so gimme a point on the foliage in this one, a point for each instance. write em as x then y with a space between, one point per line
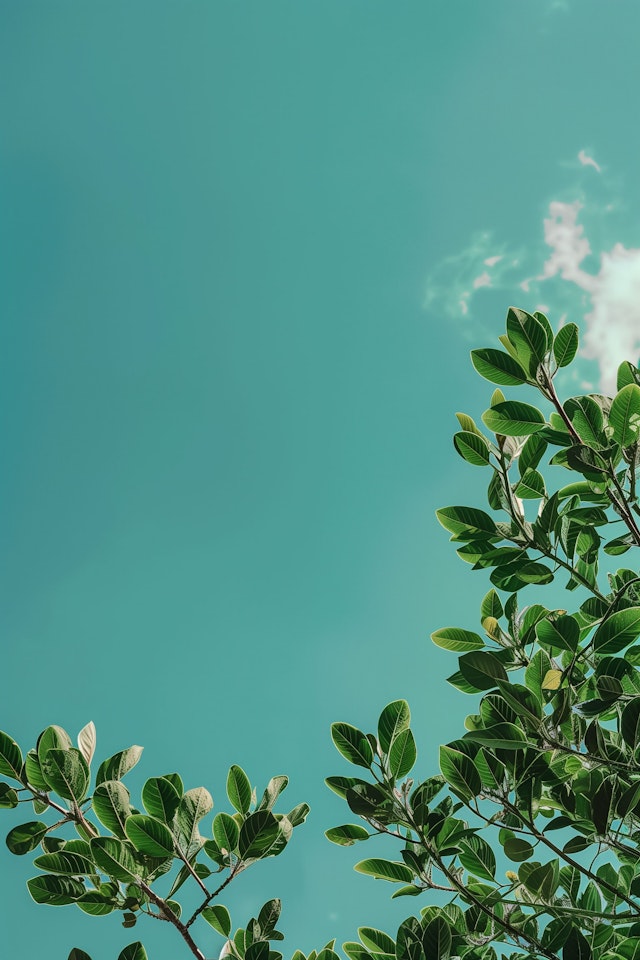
104 855
546 778
528 835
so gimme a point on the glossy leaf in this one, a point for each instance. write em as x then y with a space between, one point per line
149 836
616 633
624 416
225 832
114 858
26 837
239 789
218 917
376 940
56 891
512 418
160 798
482 669
472 448
394 719
111 806
118 765
347 834
498 367
352 744
456 639
467 523
87 741
257 834
67 773
402 754
135 951
385 870
460 773
10 757
565 344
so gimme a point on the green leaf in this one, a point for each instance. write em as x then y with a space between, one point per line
111 806
67 773
149 836
482 669
10 757
347 834
119 764
26 837
499 736
531 453
565 345
77 954
467 523
56 891
630 723
63 862
160 798
385 870
218 916
238 789
376 940
627 373
472 448
193 806
460 773
272 791
498 367
528 336
260 951
616 633
563 633
53 738
114 858
269 916
34 772
437 939
402 754
352 744
624 415
299 814
531 486
456 639
518 849
257 834
395 718
513 419
135 951
225 832
576 947
8 797
477 857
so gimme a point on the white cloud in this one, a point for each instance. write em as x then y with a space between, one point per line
613 324
491 261
588 161
484 280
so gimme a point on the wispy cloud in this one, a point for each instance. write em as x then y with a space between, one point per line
598 289
588 161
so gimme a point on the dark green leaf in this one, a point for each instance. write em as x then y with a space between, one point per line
630 723
376 940
498 367
118 765
135 951
114 858
402 754
562 632
352 744
472 448
63 862
616 633
499 736
437 939
395 718
8 797
467 523
77 954
482 669
518 849
239 789
218 916
531 486
565 345
257 834
10 757
111 805
56 891
477 857
53 738
26 837
624 416
513 419
460 772
149 836
225 832
576 947
347 834
160 798
529 338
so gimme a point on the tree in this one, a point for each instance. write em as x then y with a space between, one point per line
528 835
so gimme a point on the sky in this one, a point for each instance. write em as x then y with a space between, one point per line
246 248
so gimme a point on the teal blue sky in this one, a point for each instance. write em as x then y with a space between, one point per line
245 248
